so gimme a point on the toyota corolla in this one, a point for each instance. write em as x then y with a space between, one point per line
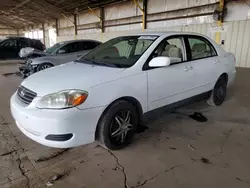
104 95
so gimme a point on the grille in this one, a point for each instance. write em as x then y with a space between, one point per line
25 95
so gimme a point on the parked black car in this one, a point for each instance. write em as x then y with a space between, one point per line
10 47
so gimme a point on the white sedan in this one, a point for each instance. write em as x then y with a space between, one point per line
104 95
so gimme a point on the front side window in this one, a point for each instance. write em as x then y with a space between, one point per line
172 48
121 51
55 48
200 48
87 45
70 48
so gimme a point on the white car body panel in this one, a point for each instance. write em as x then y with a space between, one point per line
151 88
178 88
69 71
59 58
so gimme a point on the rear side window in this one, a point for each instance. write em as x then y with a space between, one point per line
23 43
201 48
70 48
37 44
87 45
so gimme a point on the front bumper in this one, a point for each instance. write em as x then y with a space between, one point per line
26 69
38 124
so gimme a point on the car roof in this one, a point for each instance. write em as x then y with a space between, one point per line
81 40
19 38
167 33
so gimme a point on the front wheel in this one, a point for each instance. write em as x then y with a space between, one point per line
44 66
117 126
219 92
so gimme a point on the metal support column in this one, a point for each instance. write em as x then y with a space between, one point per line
143 13
220 21
102 19
57 30
44 40
75 24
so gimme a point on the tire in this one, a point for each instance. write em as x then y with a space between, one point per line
110 134
44 66
218 94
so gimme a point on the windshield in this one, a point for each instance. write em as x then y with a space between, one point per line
120 52
54 48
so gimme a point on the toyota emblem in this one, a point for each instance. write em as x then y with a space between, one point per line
22 93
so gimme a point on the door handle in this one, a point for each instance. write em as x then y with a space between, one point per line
188 68
216 61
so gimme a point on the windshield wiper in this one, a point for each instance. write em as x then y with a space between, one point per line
96 63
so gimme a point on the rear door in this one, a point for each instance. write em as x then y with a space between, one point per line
85 47
70 53
22 43
205 62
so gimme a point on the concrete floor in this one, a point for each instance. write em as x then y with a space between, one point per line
175 151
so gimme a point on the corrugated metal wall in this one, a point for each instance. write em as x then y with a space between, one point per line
237 41
235 31
4 31
236 35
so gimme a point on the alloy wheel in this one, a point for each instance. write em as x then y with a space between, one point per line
121 127
44 67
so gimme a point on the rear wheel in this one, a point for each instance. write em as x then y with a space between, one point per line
117 126
219 92
44 66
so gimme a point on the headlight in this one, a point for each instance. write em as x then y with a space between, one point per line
63 99
29 61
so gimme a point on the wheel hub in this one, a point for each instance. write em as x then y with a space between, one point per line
220 92
123 126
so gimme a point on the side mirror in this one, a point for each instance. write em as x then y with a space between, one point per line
61 52
159 62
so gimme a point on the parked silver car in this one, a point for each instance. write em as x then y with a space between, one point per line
58 54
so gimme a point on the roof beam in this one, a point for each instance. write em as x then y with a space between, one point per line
19 18
93 5
38 16
20 5
7 23
56 8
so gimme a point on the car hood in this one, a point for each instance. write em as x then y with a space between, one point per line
70 76
48 58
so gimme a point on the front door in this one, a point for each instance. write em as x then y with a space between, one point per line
69 53
170 84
